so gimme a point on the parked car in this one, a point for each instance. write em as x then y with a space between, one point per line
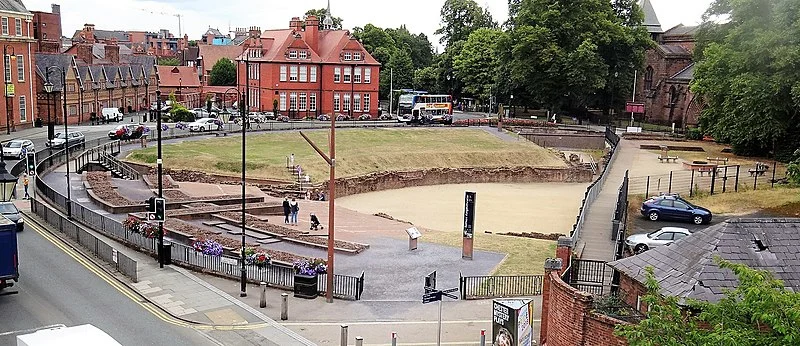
365 116
323 117
202 124
112 114
10 211
71 138
127 131
642 242
202 113
14 148
673 207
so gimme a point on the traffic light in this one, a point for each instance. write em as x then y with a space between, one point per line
161 206
30 159
151 205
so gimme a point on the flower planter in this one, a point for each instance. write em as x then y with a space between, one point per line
305 286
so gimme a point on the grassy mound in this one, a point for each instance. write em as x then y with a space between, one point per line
358 151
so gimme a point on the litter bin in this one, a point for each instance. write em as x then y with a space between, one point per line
167 255
38 122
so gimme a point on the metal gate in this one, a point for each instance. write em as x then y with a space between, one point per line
589 275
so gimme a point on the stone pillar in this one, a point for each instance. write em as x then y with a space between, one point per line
550 265
564 250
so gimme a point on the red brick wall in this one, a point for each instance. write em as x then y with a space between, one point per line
599 330
631 291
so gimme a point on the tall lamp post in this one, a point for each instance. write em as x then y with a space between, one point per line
245 122
160 164
8 181
9 86
48 87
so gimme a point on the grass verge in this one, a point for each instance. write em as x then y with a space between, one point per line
358 152
525 256
778 200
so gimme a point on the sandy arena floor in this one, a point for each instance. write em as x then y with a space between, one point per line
541 207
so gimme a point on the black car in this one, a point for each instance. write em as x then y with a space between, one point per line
674 207
10 211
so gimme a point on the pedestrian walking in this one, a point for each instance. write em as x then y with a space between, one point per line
286 210
295 208
25 183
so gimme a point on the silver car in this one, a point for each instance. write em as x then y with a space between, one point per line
643 242
17 148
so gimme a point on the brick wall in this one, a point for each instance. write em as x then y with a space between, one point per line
567 140
631 290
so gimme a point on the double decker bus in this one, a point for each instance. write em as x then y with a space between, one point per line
429 109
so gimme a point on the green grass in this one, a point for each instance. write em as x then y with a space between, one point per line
358 152
748 201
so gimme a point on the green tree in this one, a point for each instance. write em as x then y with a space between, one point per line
320 13
223 73
476 65
425 79
748 76
758 312
168 62
460 18
419 47
402 69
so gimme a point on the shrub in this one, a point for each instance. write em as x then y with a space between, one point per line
694 134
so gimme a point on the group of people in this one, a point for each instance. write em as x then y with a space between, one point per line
290 210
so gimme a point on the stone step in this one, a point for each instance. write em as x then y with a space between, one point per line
236 230
268 241
213 223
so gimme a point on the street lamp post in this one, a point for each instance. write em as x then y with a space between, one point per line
48 87
7 71
160 164
245 123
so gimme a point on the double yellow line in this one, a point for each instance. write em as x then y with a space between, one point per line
128 292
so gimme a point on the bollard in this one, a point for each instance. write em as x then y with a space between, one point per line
394 339
284 306
263 303
359 341
483 337
344 335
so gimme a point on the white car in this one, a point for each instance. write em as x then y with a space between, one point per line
202 124
643 242
202 113
110 114
14 148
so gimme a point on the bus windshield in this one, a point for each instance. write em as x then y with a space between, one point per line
407 98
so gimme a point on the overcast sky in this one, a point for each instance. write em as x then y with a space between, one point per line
199 15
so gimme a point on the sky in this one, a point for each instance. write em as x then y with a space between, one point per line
198 15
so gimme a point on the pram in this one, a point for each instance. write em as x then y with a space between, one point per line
315 225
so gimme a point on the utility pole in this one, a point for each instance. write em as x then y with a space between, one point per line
633 98
391 89
159 162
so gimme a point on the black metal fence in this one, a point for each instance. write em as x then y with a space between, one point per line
482 287
587 275
345 287
620 222
594 189
692 182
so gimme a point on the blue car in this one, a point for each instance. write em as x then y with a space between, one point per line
673 207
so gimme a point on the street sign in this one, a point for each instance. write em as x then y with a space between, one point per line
430 280
469 214
431 297
9 90
634 107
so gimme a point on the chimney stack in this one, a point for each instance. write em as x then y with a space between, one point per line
311 33
112 51
255 32
85 52
56 8
295 24
88 33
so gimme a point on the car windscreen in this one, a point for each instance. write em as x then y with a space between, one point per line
60 136
8 208
13 145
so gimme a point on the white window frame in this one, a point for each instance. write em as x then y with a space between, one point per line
23 108
7 68
283 73
301 99
303 74
303 55
4 23
337 75
282 103
346 103
348 56
347 71
357 75
292 101
292 54
356 102
313 75
357 56
293 73
366 103
367 75
72 110
18 26
20 69
336 102
312 102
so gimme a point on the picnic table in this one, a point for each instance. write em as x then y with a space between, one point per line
759 169
667 158
722 160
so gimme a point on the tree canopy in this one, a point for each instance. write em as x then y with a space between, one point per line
169 61
477 64
223 73
320 14
759 312
460 18
748 77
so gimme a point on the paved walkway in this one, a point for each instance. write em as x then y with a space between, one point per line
595 237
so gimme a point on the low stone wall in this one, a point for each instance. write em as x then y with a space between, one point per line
440 176
585 140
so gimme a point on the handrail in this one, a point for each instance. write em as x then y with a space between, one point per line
119 166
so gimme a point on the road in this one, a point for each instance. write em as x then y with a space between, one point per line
55 288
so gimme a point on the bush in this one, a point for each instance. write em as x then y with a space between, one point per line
694 134
793 170
179 113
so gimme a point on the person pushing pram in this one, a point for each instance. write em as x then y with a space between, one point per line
315 225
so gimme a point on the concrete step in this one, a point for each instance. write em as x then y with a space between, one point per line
236 230
213 223
268 241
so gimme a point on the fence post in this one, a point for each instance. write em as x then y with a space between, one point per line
691 184
483 337
647 189
263 302
462 286
284 306
736 186
774 167
394 339
713 179
669 190
725 179
755 179
343 341
359 341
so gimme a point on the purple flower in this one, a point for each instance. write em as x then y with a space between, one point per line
164 127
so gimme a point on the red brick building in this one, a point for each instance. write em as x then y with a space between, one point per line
306 71
16 37
47 30
161 43
668 70
183 82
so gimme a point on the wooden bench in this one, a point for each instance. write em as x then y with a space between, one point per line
667 158
757 172
709 170
718 160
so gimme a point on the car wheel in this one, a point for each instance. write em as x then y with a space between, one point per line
653 216
698 220
640 248
202 129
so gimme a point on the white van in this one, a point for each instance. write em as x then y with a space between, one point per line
86 334
110 114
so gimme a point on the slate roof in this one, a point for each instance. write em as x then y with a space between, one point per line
121 36
43 61
686 269
681 29
670 49
99 50
13 6
686 74
650 18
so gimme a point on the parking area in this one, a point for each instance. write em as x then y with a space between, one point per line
643 225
